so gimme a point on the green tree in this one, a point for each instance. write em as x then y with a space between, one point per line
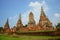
58 25
1 28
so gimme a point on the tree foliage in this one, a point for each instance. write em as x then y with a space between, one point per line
58 25
1 28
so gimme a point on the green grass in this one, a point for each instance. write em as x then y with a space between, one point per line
22 37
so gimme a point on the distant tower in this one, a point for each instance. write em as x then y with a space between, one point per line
44 21
31 22
6 27
19 22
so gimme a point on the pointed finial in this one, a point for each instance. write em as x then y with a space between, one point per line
7 20
42 11
6 26
41 8
31 13
20 16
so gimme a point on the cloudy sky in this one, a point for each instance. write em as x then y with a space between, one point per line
12 8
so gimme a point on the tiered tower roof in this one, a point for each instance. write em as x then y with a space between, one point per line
6 26
31 19
19 22
43 19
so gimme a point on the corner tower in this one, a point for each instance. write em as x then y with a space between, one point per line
19 22
6 26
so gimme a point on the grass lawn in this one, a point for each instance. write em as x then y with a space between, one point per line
21 37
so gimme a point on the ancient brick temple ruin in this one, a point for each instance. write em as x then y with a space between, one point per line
44 24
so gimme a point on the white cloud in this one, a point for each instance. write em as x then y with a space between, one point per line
37 5
57 15
25 17
35 8
12 20
12 17
57 18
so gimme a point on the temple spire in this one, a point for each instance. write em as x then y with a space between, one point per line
43 16
19 16
31 22
19 22
44 21
41 8
42 12
7 21
6 26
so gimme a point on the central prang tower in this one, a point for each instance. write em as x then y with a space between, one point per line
44 21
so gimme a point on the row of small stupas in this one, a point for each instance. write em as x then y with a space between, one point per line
44 24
